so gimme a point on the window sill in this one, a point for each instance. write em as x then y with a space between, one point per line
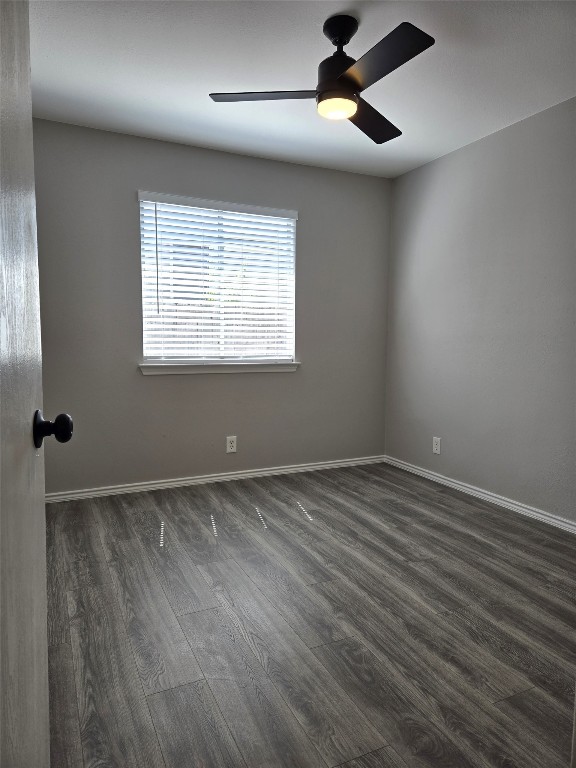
171 367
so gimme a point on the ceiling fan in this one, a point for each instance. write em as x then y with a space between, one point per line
341 79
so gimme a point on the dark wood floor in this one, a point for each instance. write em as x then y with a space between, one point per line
359 617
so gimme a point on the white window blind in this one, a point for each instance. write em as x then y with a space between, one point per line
217 280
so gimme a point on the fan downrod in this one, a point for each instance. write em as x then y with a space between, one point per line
340 29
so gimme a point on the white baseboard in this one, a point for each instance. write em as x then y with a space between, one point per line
494 498
154 485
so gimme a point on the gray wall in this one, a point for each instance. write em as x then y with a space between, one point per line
131 428
482 341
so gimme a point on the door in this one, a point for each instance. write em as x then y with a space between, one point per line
24 729
573 761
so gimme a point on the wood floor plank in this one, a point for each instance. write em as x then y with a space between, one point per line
191 729
392 706
58 631
317 537
332 523
459 541
310 566
355 566
182 582
538 713
524 618
265 730
453 703
190 518
109 513
115 725
424 637
248 499
292 519
396 508
407 582
540 666
374 511
417 506
233 535
65 746
506 533
489 579
382 758
525 609
162 653
331 720
562 588
445 502
312 619
79 546
536 548
406 497
509 526
355 509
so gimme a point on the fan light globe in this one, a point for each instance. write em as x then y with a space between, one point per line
337 106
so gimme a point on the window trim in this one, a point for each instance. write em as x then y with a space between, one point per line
150 366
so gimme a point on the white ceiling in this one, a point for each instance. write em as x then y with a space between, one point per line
146 68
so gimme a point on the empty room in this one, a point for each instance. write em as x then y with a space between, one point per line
287 384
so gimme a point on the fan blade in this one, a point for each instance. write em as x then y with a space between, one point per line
401 45
373 124
263 95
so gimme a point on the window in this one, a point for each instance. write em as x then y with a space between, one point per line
217 282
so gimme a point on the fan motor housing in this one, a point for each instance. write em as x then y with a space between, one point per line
330 70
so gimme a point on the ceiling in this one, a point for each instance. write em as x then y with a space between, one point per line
146 68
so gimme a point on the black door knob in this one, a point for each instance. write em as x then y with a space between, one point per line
61 428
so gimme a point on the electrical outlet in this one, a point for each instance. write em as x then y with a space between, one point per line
435 445
231 444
